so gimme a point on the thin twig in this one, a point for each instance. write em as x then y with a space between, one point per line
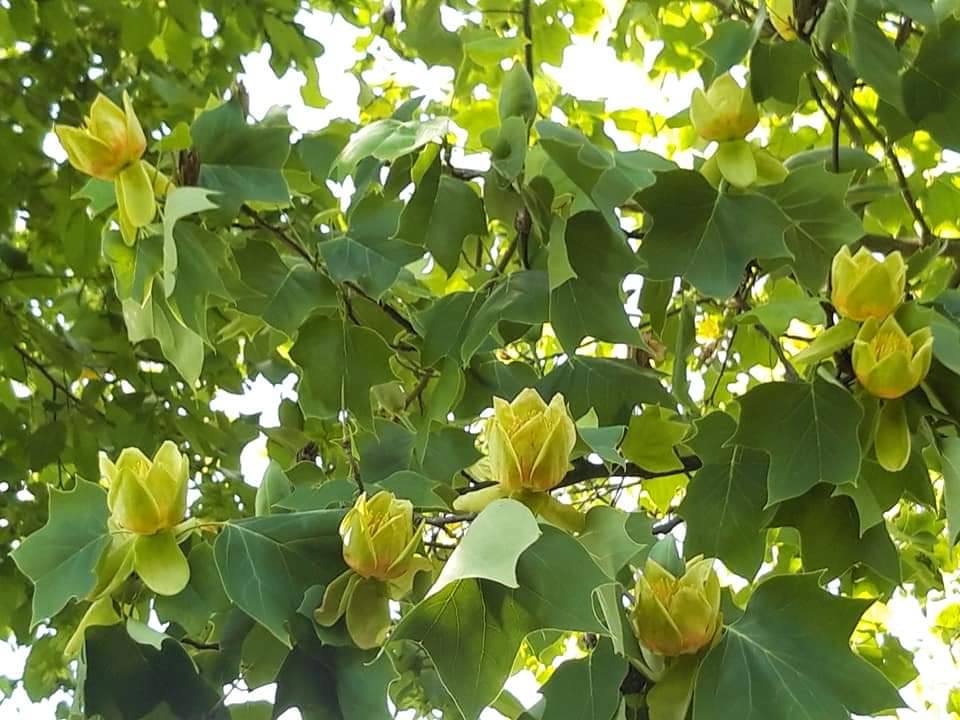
279 232
528 32
662 528
387 308
789 369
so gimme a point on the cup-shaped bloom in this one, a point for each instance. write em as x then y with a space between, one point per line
530 442
677 616
782 18
110 140
379 537
888 362
725 111
864 287
147 496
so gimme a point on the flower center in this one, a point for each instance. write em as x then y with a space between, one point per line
889 343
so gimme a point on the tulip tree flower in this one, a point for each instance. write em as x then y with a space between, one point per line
529 444
888 362
379 548
677 616
147 501
109 147
864 287
724 112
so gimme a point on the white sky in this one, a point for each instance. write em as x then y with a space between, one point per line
590 71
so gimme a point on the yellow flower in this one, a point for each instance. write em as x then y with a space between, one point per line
725 112
677 616
110 140
379 538
782 18
530 442
109 147
864 287
887 361
147 496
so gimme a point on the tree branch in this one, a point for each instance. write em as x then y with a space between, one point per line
791 371
528 32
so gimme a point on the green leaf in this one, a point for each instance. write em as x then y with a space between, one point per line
157 676
725 500
274 487
808 429
426 34
950 457
332 380
777 70
609 386
239 160
285 291
587 688
698 233
388 140
874 55
202 270
61 558
180 345
610 541
441 214
335 683
591 304
417 488
830 537
522 297
789 656
728 45
472 629
651 439
932 83
181 202
491 546
267 563
821 223
134 267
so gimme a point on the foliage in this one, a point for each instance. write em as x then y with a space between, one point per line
723 342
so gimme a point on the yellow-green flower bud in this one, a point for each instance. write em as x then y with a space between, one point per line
864 287
782 18
677 616
725 112
110 140
530 442
888 362
379 538
147 496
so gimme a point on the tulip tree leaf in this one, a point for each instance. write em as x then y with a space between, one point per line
951 484
472 629
705 236
724 503
284 292
808 429
486 551
788 656
241 161
389 139
611 387
590 303
342 683
180 203
813 199
61 558
334 377
613 537
830 537
587 688
441 214
267 563
156 319
158 674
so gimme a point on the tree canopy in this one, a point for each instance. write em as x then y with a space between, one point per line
661 409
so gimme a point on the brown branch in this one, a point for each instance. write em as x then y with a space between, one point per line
57 385
662 528
528 33
279 232
387 308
